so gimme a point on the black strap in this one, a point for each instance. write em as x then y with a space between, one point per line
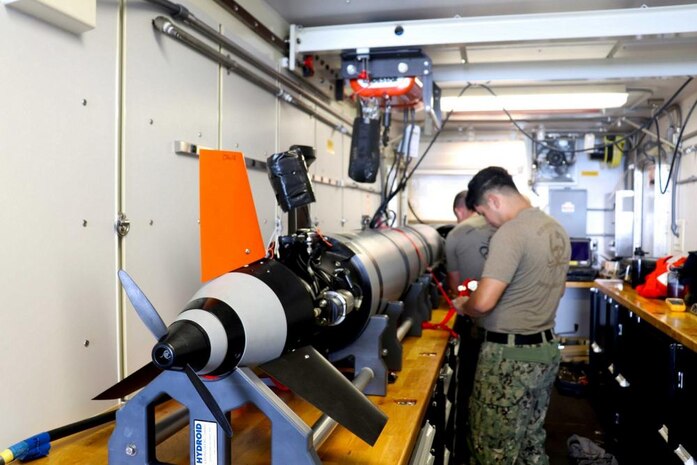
519 339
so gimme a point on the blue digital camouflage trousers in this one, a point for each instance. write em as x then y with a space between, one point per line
509 402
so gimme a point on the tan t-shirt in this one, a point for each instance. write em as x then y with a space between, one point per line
531 253
467 246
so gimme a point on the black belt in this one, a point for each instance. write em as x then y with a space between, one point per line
519 339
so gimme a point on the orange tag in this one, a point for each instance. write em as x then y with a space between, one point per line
230 234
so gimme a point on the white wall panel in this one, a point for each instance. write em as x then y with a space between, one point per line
326 212
57 242
432 196
171 93
295 128
248 118
328 149
358 203
264 202
249 125
345 148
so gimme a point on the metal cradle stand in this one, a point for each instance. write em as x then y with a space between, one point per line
379 345
417 304
133 439
391 342
367 352
292 441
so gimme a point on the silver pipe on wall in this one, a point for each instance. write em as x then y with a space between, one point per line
229 45
179 12
166 26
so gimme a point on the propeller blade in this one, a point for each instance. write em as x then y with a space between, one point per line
132 382
147 313
313 378
209 400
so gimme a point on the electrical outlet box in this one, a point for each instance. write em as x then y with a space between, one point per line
76 16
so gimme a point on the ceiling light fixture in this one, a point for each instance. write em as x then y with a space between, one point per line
537 98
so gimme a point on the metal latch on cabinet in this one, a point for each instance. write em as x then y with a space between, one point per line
596 348
684 455
622 381
123 225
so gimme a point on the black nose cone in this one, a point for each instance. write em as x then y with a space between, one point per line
185 343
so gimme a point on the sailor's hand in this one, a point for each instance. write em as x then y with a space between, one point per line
459 304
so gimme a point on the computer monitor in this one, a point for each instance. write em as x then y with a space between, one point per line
581 254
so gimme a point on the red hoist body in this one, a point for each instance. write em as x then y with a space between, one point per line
401 92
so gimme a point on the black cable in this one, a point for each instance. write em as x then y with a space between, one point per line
400 160
615 143
435 137
658 144
406 158
389 188
413 212
386 122
676 149
381 209
389 185
39 444
656 115
674 199
410 124
641 147
407 149
82 425
412 117
386 188
406 178
643 126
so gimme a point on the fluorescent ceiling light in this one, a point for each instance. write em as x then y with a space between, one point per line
537 98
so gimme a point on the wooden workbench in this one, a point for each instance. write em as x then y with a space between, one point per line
681 326
580 284
405 405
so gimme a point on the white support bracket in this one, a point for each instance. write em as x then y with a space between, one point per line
628 22
293 43
601 24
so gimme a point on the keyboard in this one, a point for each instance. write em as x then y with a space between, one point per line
581 274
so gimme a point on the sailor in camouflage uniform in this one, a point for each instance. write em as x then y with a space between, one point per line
514 305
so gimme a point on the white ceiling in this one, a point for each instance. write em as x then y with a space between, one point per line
541 61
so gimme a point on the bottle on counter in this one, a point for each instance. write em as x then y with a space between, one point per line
637 272
675 287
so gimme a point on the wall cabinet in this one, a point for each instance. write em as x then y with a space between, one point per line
643 384
436 441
